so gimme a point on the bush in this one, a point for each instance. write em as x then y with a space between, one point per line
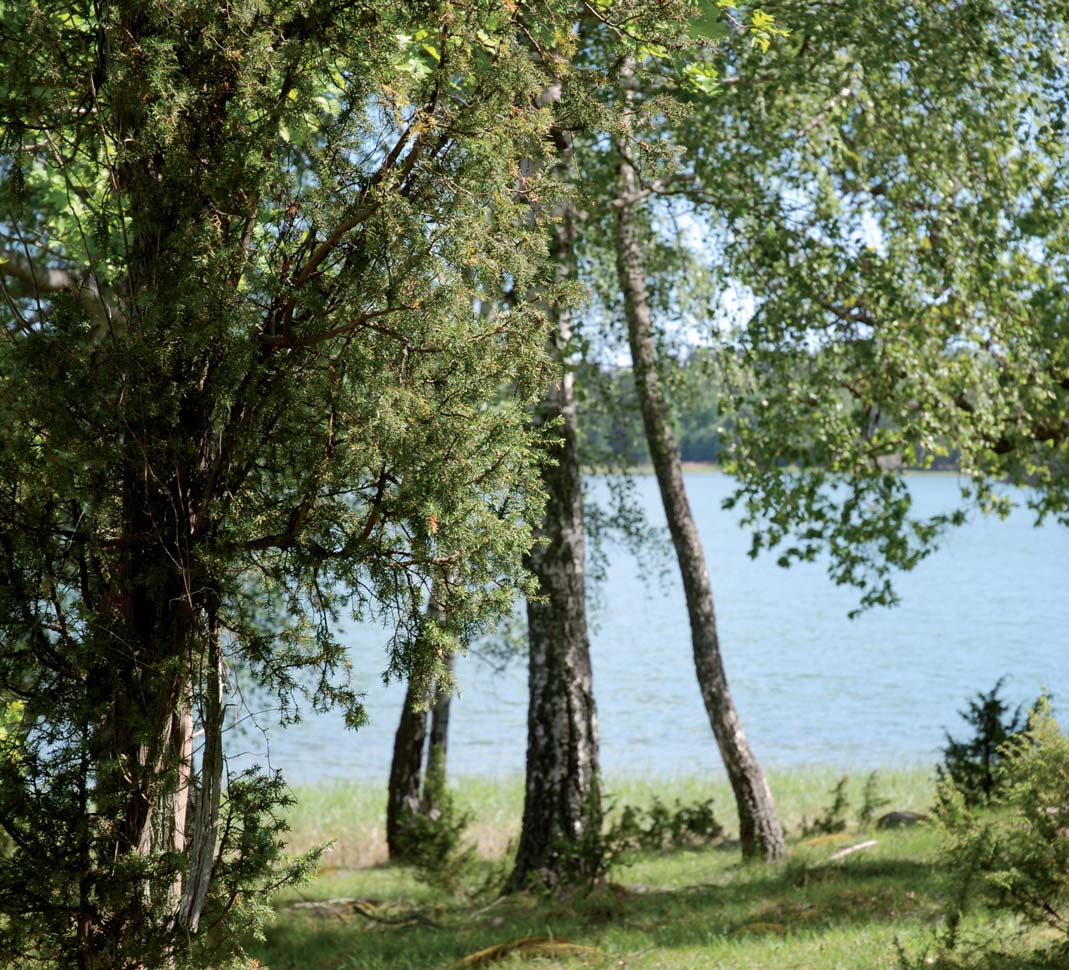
871 801
659 828
587 860
1014 858
971 765
434 842
834 818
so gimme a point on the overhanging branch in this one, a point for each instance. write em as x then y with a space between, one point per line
102 304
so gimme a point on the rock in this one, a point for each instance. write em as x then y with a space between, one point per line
899 820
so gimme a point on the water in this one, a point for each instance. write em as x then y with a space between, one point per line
812 686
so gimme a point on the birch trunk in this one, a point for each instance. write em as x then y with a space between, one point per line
760 832
562 789
406 769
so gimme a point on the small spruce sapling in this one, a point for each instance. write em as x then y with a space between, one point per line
971 764
871 801
1012 855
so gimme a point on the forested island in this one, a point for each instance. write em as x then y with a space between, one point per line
330 311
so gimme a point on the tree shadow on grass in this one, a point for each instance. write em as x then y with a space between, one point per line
743 906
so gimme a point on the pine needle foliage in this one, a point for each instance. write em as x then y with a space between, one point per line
1013 856
244 391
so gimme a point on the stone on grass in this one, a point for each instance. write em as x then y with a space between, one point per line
899 820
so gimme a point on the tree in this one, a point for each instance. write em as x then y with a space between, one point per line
760 832
971 764
890 208
243 389
562 791
417 768
403 792
562 803
861 353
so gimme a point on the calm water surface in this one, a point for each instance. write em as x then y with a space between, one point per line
812 686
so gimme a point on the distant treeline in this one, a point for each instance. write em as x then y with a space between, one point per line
611 423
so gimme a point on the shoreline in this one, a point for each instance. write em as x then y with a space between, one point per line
713 468
351 814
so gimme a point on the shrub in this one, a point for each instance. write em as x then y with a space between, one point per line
871 801
970 765
834 817
434 842
660 828
587 860
1015 858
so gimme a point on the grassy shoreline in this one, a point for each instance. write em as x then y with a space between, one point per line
682 910
350 815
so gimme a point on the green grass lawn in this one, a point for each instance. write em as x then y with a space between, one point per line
684 909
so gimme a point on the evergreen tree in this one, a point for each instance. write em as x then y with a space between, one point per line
242 390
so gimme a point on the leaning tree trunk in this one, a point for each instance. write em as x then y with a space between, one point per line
759 829
562 798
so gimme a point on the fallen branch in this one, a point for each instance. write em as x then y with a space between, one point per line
531 946
850 850
343 906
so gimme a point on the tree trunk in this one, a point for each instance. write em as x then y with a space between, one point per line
760 832
411 790
562 798
406 769
434 780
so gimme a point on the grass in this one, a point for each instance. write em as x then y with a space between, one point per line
686 909
351 815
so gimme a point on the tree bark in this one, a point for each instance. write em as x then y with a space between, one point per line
562 798
411 789
434 780
406 769
760 832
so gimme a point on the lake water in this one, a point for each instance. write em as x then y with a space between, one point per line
812 686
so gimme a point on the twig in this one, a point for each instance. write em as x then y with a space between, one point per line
829 105
486 909
850 850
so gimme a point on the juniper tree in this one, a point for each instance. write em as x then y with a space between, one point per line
243 390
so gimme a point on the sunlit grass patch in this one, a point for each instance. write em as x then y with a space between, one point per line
351 815
665 910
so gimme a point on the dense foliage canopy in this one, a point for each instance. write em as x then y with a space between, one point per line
245 388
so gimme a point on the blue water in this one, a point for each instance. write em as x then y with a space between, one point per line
812 686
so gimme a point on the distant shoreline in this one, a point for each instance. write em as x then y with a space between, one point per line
712 467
